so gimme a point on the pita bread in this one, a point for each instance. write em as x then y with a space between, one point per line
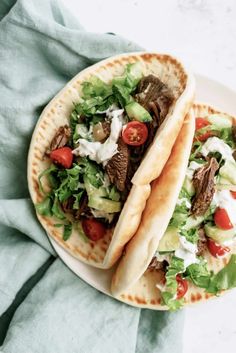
133 283
105 252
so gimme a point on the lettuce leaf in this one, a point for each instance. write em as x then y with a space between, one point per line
224 279
95 87
191 235
175 267
45 207
213 283
67 231
199 274
46 172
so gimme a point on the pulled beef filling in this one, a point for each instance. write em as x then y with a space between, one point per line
154 96
158 265
203 182
234 133
202 242
60 139
157 98
84 209
117 167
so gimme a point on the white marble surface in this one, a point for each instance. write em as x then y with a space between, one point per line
203 34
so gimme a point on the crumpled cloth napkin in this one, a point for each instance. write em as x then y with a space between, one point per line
44 307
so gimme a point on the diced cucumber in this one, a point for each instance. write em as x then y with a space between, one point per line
169 241
225 184
220 121
188 186
228 171
219 235
193 222
91 190
104 205
136 112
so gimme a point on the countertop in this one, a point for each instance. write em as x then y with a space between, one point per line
203 34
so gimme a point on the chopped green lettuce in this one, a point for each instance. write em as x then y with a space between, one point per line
199 274
191 235
46 172
67 231
45 207
175 267
224 279
57 210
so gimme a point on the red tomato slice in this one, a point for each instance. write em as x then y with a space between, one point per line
216 249
135 133
182 286
201 122
93 229
62 156
221 219
233 193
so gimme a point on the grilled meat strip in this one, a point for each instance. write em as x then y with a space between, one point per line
203 182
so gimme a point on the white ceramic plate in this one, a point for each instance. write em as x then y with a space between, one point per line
208 91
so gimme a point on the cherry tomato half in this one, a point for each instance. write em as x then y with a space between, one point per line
201 122
182 286
135 133
233 194
62 156
93 229
221 219
216 249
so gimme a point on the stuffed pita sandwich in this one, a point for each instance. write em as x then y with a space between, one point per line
185 248
98 145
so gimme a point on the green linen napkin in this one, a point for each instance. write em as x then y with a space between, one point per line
44 307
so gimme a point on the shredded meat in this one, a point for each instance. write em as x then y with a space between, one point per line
158 265
202 242
67 205
234 154
83 210
155 97
60 139
117 167
203 182
234 133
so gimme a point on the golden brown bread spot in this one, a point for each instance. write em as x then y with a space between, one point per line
34 171
130 297
159 301
152 301
198 297
192 298
140 300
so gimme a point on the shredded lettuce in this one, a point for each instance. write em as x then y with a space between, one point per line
224 279
67 231
175 267
99 95
44 208
181 211
191 235
46 172
57 210
199 274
